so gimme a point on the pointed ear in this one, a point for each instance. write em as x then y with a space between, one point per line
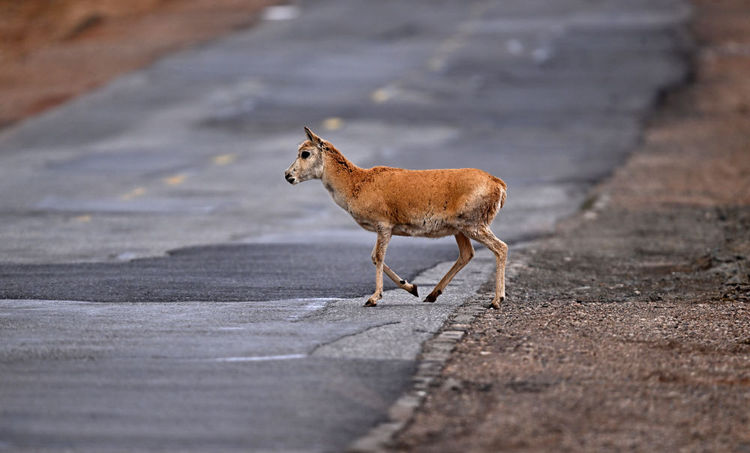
317 141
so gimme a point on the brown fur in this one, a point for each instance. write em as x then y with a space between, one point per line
431 203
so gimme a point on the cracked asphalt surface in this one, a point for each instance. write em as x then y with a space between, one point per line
163 288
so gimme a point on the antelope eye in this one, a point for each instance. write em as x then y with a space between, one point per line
305 154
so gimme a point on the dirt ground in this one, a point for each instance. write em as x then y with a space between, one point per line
630 328
51 51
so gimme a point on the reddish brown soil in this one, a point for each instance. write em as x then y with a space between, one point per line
51 51
630 328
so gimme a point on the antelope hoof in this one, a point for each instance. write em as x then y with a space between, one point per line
432 297
414 290
495 305
371 303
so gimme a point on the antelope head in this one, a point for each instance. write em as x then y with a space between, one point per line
309 161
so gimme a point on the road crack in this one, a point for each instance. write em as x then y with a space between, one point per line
353 334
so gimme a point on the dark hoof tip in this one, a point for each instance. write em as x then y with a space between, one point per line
370 303
496 305
430 298
414 290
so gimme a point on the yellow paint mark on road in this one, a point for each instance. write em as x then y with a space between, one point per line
460 38
83 218
135 193
381 95
333 123
224 159
175 180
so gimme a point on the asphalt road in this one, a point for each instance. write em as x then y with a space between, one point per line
163 287
232 272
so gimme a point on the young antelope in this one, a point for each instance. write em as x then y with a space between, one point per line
430 203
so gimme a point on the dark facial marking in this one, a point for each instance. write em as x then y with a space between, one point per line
305 154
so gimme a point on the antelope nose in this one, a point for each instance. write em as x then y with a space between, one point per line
289 178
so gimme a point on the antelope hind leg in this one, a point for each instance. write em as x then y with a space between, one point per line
500 249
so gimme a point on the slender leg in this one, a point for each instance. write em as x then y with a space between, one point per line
378 257
465 254
403 284
500 249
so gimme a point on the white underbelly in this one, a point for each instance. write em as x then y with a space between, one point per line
431 229
424 231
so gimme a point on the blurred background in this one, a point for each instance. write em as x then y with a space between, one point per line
160 153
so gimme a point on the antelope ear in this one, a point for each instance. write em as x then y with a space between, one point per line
313 138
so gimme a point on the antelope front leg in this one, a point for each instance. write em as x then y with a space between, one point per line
378 258
403 284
